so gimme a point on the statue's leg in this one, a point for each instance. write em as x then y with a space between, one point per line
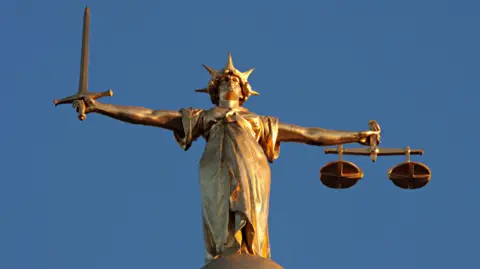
242 228
249 238
233 243
238 232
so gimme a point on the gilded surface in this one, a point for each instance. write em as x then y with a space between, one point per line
234 169
234 177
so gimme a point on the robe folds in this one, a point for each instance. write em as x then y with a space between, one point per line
234 177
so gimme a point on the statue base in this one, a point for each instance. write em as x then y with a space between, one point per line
242 262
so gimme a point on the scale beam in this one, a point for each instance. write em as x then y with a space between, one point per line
367 152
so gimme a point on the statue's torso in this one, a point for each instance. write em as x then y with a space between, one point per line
232 137
217 117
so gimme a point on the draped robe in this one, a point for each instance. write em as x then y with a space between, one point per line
234 177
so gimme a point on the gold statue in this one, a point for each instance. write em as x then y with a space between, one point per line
234 169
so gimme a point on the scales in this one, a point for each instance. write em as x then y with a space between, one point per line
342 174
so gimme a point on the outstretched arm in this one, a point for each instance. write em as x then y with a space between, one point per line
319 136
167 119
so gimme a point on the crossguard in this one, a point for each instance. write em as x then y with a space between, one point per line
80 96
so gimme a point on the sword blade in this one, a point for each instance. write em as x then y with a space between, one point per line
83 81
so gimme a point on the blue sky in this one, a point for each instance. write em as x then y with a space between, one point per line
105 194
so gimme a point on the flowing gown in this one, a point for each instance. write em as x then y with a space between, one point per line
234 177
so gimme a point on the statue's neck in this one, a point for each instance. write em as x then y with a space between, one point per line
228 104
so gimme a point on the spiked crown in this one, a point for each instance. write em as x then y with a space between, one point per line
229 69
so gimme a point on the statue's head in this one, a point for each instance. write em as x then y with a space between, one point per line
228 84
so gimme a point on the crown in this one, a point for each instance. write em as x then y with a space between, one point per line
229 69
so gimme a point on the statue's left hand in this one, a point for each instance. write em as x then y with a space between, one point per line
365 137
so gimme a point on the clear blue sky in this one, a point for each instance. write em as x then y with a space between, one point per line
105 194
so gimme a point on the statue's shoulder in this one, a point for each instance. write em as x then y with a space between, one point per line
192 109
191 112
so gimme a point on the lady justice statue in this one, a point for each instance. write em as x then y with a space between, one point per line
234 169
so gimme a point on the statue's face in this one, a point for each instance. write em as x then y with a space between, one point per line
229 88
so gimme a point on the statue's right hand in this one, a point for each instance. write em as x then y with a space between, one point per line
90 104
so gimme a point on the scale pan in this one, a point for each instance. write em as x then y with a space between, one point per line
340 174
410 175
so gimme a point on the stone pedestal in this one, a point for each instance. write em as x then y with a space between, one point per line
242 262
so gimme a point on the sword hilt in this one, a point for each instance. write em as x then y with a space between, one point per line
81 110
80 97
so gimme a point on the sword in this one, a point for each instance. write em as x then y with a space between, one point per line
83 80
